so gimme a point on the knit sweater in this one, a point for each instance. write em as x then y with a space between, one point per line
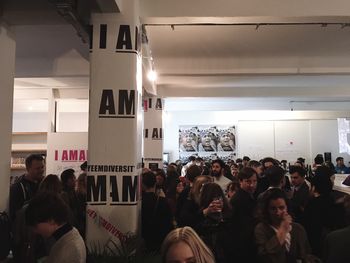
69 248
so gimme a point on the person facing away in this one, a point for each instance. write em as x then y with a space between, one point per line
336 247
27 185
47 214
156 216
321 215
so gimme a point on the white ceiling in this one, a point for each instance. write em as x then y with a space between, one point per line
286 62
246 58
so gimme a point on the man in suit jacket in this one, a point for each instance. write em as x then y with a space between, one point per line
300 192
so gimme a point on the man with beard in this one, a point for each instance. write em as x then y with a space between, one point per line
217 172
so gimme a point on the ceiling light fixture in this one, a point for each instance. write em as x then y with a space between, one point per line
152 75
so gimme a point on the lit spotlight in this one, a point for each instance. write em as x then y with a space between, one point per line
152 75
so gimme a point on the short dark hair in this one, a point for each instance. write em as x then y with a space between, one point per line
246 173
339 158
46 206
268 159
322 183
191 158
297 169
219 161
319 159
275 175
66 175
324 171
192 172
33 157
246 158
301 159
254 164
149 179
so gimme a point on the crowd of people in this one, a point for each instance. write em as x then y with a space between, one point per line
48 215
245 211
241 211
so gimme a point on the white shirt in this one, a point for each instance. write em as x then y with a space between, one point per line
222 181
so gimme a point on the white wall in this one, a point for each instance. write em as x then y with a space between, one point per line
283 135
7 69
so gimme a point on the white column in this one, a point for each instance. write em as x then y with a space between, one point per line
7 73
115 126
153 132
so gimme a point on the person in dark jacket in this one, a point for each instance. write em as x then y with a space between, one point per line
157 220
300 191
243 205
26 187
336 247
278 239
321 214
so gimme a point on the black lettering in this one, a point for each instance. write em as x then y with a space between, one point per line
129 189
126 103
150 103
96 190
146 133
161 132
103 35
107 102
155 133
159 105
124 37
114 189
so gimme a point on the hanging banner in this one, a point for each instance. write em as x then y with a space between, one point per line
115 126
66 150
153 133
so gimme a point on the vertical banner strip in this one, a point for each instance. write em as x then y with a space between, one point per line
115 127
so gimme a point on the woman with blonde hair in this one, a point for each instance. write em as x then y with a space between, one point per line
184 245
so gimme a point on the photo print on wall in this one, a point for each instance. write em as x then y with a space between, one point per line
207 141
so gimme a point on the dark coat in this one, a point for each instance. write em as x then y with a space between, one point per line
157 220
271 251
242 223
337 246
299 200
320 217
